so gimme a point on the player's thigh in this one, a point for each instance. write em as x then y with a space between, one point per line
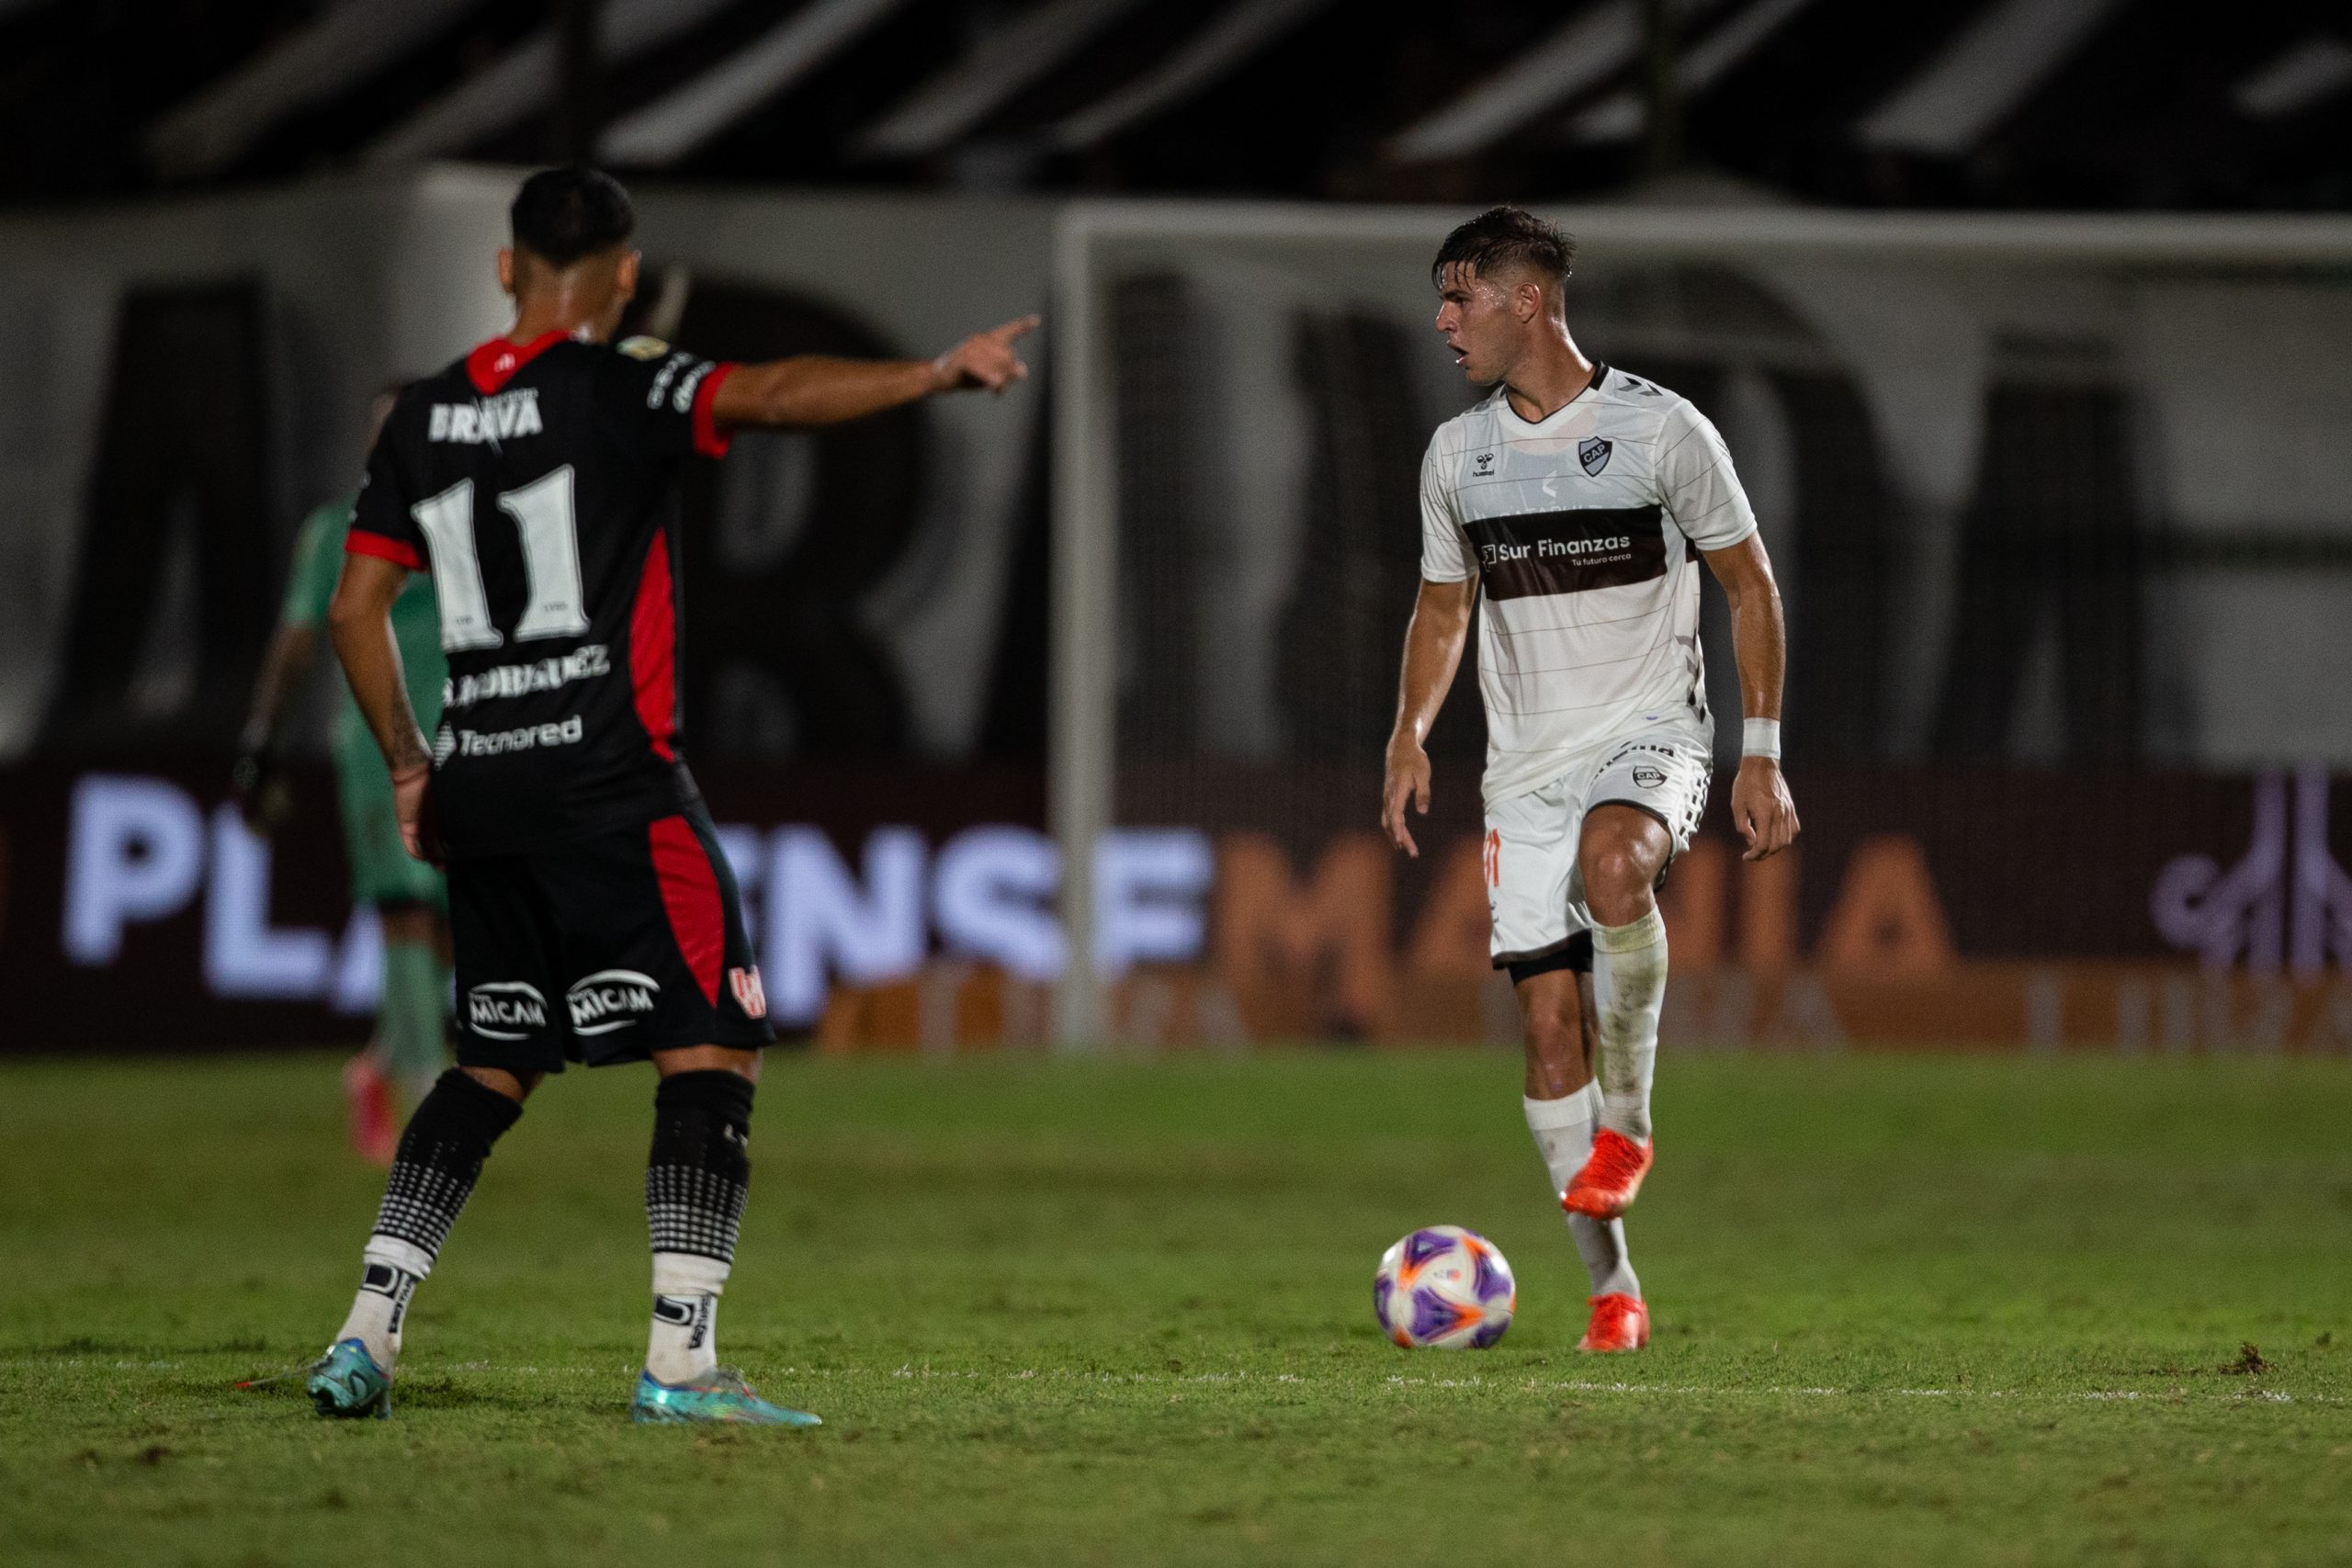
505 948
1531 857
742 1062
1641 810
656 956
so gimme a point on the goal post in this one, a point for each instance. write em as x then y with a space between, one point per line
1242 391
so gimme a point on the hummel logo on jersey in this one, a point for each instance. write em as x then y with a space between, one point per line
610 999
486 419
1593 453
1486 464
516 680
505 1009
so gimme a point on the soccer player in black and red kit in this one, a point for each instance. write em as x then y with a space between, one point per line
593 917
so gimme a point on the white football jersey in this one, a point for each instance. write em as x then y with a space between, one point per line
1584 532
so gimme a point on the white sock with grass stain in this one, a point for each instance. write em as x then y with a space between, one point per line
1628 984
1563 1133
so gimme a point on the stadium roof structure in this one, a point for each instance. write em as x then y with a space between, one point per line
2090 104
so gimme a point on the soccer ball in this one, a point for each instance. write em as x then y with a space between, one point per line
1446 1287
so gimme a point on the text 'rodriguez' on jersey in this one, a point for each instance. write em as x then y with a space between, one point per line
538 482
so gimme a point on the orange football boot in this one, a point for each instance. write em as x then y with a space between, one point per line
1605 1187
1619 1322
375 1129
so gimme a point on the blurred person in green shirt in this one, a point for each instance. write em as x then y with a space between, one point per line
409 1049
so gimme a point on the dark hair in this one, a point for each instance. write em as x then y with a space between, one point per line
561 215
1502 237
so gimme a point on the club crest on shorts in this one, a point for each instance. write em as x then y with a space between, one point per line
749 994
1593 453
1648 778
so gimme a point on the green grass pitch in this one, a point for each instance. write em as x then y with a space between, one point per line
1908 1310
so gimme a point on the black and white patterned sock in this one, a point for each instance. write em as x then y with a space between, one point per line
441 1154
695 1182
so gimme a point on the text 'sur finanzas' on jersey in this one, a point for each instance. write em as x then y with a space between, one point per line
538 482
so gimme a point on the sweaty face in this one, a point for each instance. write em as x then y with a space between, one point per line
1480 326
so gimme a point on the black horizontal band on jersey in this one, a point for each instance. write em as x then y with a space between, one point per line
1574 954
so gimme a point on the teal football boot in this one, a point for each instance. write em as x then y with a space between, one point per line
720 1394
347 1384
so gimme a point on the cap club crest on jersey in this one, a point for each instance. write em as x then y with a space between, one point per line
1593 453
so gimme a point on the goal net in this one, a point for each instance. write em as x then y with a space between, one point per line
2023 480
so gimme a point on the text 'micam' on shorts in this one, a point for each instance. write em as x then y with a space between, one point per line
607 947
1534 885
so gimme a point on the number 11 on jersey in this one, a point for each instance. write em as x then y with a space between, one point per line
544 519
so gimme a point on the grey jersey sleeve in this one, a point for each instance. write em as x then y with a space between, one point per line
1698 484
1445 550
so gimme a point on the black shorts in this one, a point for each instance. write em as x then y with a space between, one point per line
603 948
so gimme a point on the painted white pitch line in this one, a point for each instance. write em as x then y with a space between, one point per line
1397 1379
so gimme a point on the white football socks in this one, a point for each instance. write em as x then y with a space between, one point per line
685 1342
1628 983
391 1269
1563 1130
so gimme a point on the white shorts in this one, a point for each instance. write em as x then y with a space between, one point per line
1534 885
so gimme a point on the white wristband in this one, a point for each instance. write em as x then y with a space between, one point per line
1760 738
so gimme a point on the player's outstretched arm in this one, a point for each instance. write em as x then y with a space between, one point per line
811 390
1761 808
1433 642
360 621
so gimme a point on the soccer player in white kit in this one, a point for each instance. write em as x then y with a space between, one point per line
1578 499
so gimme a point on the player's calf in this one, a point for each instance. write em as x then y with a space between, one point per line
697 1178
440 1157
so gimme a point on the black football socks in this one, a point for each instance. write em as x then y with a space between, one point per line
695 1182
441 1154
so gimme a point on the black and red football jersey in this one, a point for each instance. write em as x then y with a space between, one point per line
538 483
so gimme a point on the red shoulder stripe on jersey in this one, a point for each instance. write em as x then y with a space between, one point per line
690 896
491 365
709 440
653 647
399 552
